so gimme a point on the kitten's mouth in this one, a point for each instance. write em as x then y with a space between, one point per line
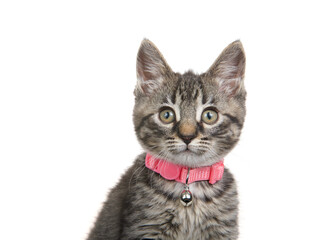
185 151
188 151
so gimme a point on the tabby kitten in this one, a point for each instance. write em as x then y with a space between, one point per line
186 120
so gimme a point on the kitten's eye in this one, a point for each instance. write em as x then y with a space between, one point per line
167 115
209 116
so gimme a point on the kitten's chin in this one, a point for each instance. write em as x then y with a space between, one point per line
191 159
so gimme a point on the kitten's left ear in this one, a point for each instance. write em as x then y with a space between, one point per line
229 68
151 68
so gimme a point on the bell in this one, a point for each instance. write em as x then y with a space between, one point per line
186 198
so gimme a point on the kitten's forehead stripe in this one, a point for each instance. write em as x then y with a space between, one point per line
189 88
173 96
204 95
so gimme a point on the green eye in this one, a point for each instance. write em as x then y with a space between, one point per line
209 116
167 115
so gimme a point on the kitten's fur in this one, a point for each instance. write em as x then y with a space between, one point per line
144 205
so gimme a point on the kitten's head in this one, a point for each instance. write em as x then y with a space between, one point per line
189 119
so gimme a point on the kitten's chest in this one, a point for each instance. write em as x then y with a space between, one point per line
184 222
172 220
192 221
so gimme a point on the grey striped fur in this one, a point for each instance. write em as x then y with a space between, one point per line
143 205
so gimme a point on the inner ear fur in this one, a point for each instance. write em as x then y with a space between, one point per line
151 68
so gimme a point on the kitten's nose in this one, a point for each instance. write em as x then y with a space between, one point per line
187 139
187 132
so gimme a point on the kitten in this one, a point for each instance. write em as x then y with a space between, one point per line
186 122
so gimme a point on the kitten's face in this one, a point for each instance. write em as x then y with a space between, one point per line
192 120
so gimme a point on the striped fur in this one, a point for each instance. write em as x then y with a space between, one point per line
143 205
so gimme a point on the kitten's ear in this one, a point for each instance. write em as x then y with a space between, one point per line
229 68
151 68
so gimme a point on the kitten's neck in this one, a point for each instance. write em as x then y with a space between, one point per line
179 173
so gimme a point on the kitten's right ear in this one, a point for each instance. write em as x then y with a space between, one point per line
151 68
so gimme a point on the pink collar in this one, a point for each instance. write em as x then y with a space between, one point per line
179 173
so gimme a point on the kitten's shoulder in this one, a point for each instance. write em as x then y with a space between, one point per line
108 225
125 179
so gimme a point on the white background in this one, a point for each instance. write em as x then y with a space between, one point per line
67 73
